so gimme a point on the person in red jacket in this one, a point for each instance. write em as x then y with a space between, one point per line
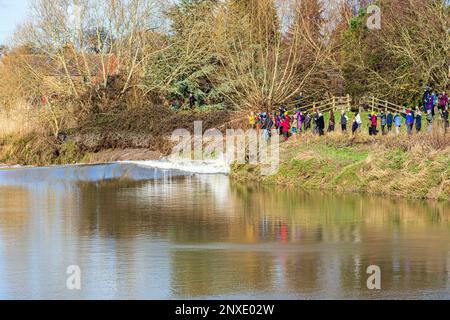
286 124
374 122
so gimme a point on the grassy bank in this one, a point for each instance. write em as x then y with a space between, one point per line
32 149
417 167
136 134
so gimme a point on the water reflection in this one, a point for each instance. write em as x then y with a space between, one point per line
200 236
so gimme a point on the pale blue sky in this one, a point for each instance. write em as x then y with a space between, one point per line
12 12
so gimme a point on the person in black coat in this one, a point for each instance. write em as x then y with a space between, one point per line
445 119
321 124
192 100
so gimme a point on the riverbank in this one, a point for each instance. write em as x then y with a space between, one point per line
412 167
35 152
137 134
417 167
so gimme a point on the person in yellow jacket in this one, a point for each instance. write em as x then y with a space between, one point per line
252 120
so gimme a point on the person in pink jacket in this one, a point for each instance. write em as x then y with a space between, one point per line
286 124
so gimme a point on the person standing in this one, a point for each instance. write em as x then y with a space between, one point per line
389 121
426 96
344 121
430 121
383 122
418 120
282 111
443 101
445 119
276 120
258 121
398 123
356 123
299 122
316 122
192 100
433 101
286 125
267 127
307 121
321 124
358 119
332 122
252 120
409 121
374 124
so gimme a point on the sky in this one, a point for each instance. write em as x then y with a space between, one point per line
12 12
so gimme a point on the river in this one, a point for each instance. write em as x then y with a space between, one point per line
138 232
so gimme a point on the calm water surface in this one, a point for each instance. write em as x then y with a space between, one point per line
137 232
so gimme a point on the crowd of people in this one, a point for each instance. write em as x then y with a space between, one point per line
385 122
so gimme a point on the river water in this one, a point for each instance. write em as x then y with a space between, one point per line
137 232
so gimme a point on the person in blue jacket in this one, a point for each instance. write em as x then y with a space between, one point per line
433 102
418 120
408 115
390 121
398 123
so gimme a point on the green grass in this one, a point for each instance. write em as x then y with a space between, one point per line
362 167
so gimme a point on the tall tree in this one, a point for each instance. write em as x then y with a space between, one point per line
189 64
409 52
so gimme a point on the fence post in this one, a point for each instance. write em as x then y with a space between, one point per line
373 103
334 103
386 107
349 106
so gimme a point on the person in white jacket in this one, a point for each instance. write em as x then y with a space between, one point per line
356 123
358 120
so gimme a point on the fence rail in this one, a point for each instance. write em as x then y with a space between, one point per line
342 103
379 104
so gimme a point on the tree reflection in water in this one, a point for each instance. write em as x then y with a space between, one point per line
202 236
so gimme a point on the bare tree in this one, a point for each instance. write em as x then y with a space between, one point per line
271 66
